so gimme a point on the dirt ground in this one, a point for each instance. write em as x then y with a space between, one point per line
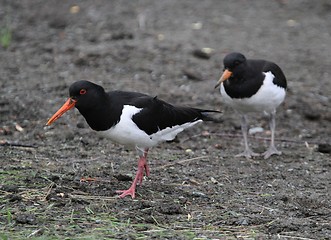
172 49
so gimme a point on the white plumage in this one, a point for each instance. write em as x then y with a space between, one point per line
267 98
127 132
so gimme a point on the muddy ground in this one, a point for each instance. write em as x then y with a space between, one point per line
197 188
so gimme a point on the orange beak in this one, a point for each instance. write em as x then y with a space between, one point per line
69 104
226 74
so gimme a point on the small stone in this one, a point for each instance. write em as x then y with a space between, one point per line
189 151
74 9
58 23
9 188
292 23
324 148
193 75
26 219
243 222
199 53
199 194
197 25
14 198
218 146
254 130
121 177
80 125
122 35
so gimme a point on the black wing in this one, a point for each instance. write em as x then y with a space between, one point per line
157 114
280 79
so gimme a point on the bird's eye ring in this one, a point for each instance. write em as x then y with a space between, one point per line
82 91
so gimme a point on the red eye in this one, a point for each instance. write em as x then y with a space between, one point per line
82 91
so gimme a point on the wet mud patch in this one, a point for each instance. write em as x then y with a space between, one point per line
61 181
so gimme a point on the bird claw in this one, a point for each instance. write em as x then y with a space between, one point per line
248 154
131 191
142 167
271 151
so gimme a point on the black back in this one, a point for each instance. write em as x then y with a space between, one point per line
248 75
103 110
157 115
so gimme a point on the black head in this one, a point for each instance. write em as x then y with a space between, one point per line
233 60
235 63
234 67
86 94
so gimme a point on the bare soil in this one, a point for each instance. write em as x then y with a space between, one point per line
173 50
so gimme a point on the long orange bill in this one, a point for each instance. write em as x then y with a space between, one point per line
226 74
69 104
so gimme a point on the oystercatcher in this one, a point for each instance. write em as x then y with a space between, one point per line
249 85
130 118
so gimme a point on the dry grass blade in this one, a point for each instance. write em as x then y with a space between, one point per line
95 198
180 162
48 191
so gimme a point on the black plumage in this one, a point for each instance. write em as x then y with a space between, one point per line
253 85
130 118
103 110
248 75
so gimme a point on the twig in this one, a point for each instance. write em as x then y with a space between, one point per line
34 232
264 207
48 191
230 135
293 237
75 160
76 196
180 162
72 215
157 223
11 144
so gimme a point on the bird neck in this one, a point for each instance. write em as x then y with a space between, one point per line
102 116
243 84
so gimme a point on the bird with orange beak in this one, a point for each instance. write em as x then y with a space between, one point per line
130 118
253 85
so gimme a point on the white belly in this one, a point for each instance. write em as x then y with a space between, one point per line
267 98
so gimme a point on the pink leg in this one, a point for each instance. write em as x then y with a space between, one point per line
142 165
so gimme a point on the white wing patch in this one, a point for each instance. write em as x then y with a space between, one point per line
170 133
126 132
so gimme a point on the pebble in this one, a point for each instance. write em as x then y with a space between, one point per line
255 130
324 148
26 219
199 194
199 53
192 75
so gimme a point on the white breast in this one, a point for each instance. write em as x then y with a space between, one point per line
267 98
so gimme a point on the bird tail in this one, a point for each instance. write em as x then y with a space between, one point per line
207 118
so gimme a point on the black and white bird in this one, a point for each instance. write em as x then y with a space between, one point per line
130 118
252 85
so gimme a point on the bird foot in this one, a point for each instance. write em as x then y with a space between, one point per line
142 167
131 191
271 151
248 153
